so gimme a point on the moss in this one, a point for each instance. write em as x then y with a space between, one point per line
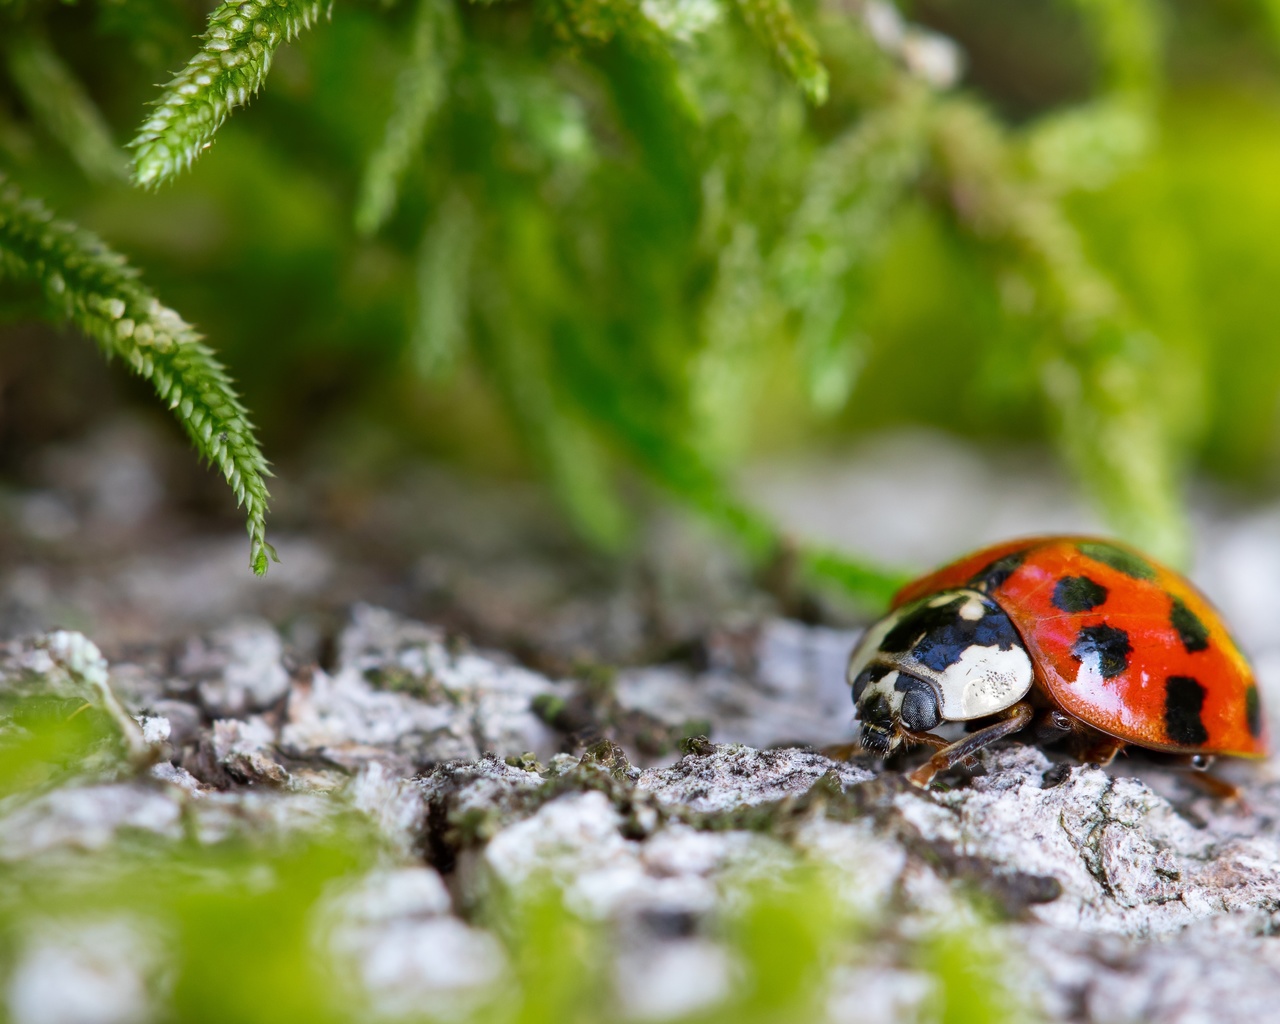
551 709
527 761
395 679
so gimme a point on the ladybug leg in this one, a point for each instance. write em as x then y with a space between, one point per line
1016 718
848 751
1197 766
927 738
1102 751
842 751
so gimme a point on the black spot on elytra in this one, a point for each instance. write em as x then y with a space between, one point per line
1193 633
1118 558
919 704
1110 645
1253 711
870 674
994 575
1078 594
938 636
1183 701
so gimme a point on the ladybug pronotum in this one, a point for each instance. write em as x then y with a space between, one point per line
1087 640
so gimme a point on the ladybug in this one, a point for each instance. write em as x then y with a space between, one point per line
1087 639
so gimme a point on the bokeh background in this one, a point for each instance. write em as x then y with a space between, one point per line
622 251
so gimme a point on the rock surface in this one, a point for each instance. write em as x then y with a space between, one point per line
1123 898
654 793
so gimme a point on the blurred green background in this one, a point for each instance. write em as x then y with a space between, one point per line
618 244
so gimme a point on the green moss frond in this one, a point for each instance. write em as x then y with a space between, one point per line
444 263
85 282
231 65
60 104
852 191
870 585
775 24
970 975
739 318
596 21
1091 144
1100 371
420 89
522 340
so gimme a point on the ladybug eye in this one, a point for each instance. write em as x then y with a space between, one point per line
1201 762
919 705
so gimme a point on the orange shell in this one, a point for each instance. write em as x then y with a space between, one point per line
1120 642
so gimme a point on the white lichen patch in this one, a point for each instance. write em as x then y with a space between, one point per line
575 841
240 668
797 692
87 818
881 992
394 804
863 867
737 776
398 689
260 812
245 748
1126 861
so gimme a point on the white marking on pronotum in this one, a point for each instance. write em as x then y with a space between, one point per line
982 681
985 680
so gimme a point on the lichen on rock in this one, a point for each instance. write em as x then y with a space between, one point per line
1121 893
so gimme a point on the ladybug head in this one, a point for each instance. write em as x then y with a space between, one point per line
948 657
887 700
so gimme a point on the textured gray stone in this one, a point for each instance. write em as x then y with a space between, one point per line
399 692
1121 895
794 692
87 818
239 668
733 776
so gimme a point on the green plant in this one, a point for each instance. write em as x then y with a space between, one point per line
646 226
85 282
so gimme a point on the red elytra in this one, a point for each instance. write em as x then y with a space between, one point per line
1174 680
